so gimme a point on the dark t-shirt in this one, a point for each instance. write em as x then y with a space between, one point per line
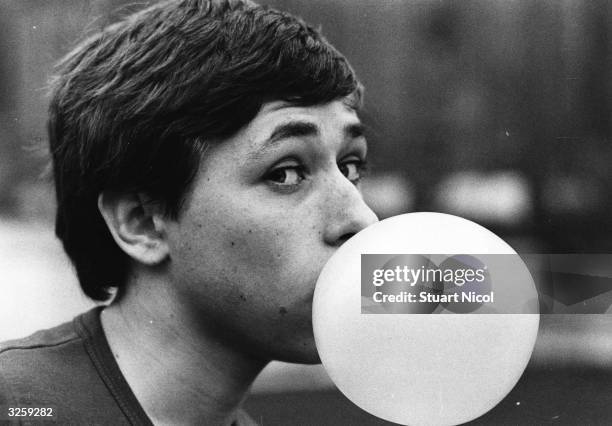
71 369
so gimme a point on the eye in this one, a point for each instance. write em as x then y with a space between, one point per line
353 170
286 176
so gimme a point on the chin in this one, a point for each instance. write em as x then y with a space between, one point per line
311 357
300 352
302 358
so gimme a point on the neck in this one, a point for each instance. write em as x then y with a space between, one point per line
178 368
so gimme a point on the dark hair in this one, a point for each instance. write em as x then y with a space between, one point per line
134 107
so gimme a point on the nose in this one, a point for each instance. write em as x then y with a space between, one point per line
347 212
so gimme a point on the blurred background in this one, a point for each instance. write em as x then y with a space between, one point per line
497 111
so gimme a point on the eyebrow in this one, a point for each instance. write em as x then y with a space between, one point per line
292 129
298 128
354 130
295 129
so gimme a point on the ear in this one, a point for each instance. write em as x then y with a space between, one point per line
137 226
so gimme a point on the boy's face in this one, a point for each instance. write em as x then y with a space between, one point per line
269 207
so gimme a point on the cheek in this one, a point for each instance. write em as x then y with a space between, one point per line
273 249
253 253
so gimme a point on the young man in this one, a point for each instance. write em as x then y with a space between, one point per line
207 157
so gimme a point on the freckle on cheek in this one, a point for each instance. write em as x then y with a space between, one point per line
233 244
242 297
282 310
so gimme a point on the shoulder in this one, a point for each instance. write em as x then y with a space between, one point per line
38 342
36 351
30 364
53 368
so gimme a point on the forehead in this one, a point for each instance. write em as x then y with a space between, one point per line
330 117
350 103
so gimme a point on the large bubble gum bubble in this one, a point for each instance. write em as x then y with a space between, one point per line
419 369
